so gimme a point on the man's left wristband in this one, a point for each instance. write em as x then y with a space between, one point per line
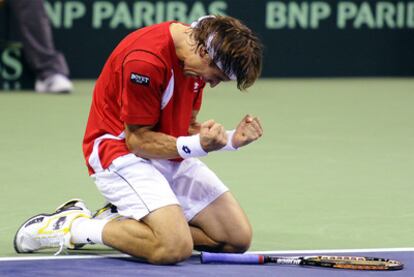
190 146
229 146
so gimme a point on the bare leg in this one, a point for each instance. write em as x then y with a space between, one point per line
222 227
165 237
162 237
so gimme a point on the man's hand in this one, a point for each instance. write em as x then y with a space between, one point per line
212 136
248 130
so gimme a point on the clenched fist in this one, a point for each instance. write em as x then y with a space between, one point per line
212 136
248 130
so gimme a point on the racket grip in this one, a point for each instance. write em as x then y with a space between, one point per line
225 258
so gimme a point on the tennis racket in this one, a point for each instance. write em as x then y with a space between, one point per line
343 262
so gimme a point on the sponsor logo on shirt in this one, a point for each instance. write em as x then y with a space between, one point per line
197 87
140 79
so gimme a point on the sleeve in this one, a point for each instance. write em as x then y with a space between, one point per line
141 94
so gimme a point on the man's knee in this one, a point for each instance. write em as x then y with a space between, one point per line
171 242
171 251
240 241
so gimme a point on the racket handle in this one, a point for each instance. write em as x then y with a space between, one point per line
207 257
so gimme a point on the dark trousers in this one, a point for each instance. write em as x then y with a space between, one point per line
37 39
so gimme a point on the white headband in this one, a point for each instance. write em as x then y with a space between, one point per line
211 51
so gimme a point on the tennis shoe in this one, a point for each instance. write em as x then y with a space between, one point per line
50 230
55 84
108 212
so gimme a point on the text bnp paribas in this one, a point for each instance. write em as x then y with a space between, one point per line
340 14
277 15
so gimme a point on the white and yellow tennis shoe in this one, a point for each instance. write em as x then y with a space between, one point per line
108 212
50 230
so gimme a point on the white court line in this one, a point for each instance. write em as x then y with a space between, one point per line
67 257
283 252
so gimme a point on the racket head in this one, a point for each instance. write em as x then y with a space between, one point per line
353 262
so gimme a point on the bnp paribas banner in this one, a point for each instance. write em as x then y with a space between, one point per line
301 38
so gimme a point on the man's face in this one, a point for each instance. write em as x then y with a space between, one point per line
200 65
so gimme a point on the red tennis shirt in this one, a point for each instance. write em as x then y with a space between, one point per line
142 83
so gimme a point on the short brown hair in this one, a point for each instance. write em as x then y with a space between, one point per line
235 45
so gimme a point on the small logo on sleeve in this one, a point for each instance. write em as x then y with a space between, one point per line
196 87
140 79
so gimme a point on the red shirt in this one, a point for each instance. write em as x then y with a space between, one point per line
142 83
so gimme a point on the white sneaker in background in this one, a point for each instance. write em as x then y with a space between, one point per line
56 83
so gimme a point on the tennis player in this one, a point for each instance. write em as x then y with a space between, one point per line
142 144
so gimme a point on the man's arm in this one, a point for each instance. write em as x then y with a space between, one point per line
146 143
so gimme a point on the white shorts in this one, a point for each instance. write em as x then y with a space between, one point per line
139 186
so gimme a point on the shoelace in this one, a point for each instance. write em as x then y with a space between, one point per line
62 249
55 241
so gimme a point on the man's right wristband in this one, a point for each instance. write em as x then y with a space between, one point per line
190 146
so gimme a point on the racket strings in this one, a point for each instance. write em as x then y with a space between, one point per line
359 263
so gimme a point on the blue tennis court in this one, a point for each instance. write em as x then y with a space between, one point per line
122 265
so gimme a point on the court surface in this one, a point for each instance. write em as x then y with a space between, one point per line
122 265
334 169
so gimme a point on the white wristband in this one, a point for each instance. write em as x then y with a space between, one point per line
190 146
229 146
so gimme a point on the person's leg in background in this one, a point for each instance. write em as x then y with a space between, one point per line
48 64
